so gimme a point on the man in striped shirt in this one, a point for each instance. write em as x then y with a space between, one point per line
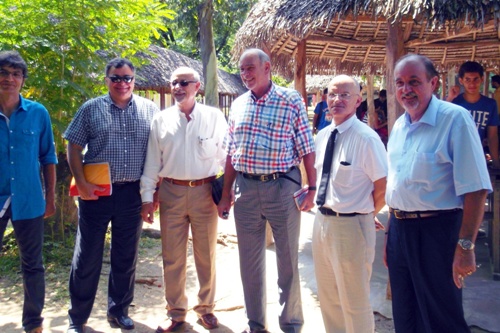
268 136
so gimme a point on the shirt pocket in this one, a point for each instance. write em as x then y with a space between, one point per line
344 175
206 148
422 166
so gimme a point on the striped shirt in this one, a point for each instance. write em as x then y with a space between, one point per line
114 135
269 134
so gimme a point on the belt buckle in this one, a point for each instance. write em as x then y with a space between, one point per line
398 214
192 183
263 178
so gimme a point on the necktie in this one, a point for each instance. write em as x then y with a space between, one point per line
327 165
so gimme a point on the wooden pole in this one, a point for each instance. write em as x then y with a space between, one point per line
394 50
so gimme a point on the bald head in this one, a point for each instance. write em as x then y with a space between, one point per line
343 98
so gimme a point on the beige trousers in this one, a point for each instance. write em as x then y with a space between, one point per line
343 252
182 207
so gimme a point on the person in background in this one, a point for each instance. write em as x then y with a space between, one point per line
436 189
268 136
185 154
26 145
352 162
495 83
483 109
321 118
113 128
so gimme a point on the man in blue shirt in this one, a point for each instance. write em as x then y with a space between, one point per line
436 189
26 143
483 109
320 119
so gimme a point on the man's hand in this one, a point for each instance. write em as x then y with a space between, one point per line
454 92
50 208
464 264
224 205
147 212
308 202
378 225
87 191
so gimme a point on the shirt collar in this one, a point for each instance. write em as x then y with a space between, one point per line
266 95
345 125
110 101
193 113
429 116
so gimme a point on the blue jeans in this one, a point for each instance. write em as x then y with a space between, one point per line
29 237
123 209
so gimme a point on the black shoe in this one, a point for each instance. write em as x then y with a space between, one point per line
122 321
76 329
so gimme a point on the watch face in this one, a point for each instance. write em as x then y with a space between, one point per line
466 244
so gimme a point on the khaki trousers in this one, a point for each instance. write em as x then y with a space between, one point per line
343 252
182 207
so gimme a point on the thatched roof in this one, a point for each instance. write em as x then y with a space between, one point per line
163 62
350 36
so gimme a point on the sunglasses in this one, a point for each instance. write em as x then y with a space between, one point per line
183 83
118 79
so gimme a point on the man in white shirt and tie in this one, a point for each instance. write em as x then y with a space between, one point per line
184 154
352 168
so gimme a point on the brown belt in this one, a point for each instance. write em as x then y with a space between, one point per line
402 215
190 183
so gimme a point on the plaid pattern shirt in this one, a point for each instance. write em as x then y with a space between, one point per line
269 134
114 135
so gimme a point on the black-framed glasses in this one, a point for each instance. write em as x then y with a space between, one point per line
16 75
118 78
183 83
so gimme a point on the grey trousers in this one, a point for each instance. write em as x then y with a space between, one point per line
257 202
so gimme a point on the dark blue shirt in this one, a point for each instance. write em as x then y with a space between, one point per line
26 143
484 112
321 110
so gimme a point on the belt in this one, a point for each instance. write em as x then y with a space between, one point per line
328 211
125 183
402 215
266 177
190 183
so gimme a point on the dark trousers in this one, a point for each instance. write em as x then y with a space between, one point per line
29 237
420 257
123 209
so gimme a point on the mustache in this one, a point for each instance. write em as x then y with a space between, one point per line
409 95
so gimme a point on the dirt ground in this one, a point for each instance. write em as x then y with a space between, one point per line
148 308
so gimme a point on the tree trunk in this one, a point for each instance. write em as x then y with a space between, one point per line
66 210
208 56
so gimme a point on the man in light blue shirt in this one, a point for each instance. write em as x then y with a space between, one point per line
26 143
436 189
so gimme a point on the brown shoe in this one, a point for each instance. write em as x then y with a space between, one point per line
170 326
36 330
209 321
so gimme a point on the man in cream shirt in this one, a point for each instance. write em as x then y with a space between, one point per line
352 169
184 154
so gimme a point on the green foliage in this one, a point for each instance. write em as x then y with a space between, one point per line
67 43
183 32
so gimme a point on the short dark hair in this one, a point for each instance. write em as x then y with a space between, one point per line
470 67
495 78
382 93
325 91
428 64
119 63
14 60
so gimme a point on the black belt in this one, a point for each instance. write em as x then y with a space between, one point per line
402 215
125 183
328 211
267 177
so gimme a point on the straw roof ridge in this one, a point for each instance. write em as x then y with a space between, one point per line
162 62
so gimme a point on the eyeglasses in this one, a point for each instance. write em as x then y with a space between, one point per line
341 96
16 75
183 83
118 79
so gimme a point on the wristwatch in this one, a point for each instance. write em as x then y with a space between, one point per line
466 244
